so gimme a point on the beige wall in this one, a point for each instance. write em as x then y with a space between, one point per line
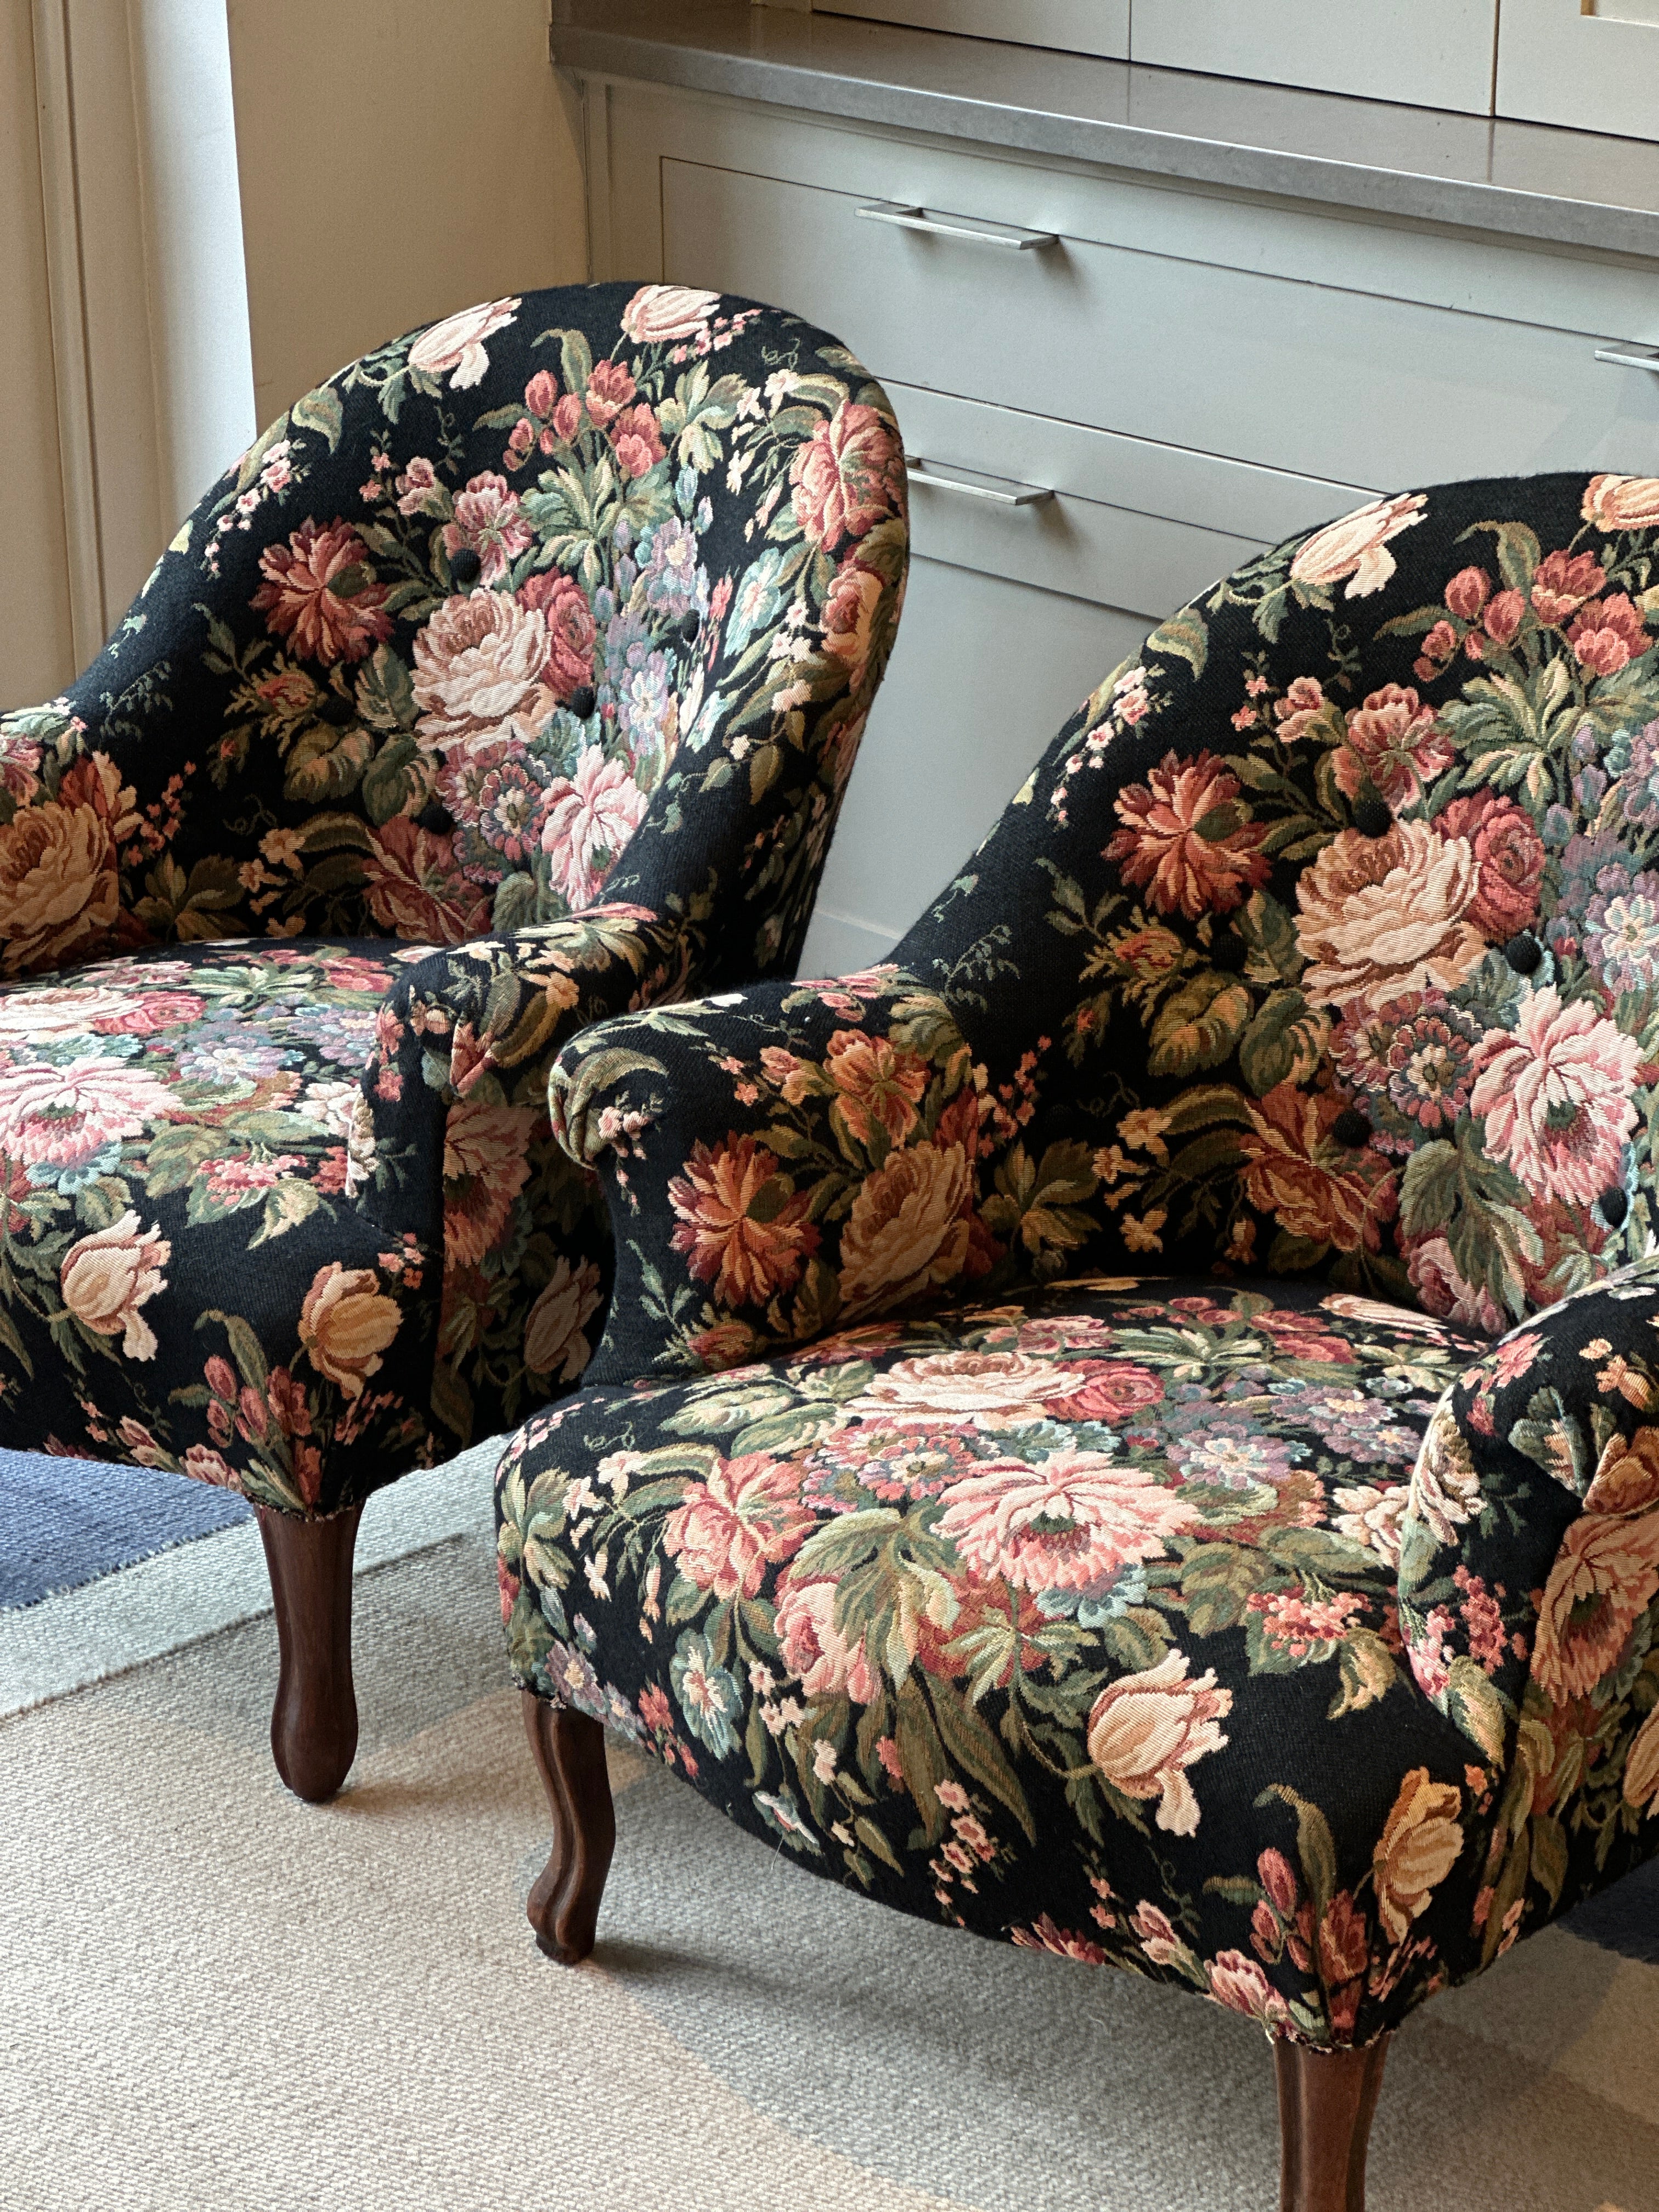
399 159
37 655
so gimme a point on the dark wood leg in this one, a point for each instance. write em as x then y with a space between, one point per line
564 1904
1326 2101
313 1723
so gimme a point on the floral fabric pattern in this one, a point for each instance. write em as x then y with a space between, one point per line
1267 1626
541 641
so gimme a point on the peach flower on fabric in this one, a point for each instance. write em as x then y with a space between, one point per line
1298 1174
848 476
1241 1983
1394 742
486 1166
909 1228
744 1517
488 522
992 1389
1420 1844
481 670
638 439
824 1660
878 1084
610 389
346 1323
203 1464
1065 1522
1605 1577
849 616
1445 1482
1146 1730
1608 636
740 1227
319 594
591 816
108 1275
658 315
60 896
1381 916
1432 1272
455 347
1561 584
1557 1095
554 1341
1187 838
1642 1766
1626 1478
1356 546
562 604
1622 503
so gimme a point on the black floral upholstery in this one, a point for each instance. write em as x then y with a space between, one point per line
1054 1460
511 678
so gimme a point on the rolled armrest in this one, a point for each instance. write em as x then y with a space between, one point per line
778 1161
1529 1546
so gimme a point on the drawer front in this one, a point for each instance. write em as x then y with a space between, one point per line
1298 377
1080 26
1437 54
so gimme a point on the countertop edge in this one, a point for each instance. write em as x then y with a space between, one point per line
1373 189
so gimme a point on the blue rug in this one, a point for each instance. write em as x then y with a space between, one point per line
63 1523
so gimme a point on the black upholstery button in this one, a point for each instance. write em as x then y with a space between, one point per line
1524 953
437 818
1371 818
1615 1206
1350 1127
1228 953
582 700
464 567
335 710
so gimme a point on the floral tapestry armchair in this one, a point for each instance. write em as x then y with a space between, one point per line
1055 1463
512 677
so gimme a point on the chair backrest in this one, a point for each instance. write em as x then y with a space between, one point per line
1328 931
475 610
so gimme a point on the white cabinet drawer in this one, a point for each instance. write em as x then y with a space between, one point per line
1594 67
1078 26
1436 53
1304 377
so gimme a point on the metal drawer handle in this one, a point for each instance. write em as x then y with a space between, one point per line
937 226
1620 359
1000 490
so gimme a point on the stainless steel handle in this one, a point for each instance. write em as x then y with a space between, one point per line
949 226
1001 491
1621 359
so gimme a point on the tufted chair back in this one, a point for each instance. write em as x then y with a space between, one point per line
1325 937
575 596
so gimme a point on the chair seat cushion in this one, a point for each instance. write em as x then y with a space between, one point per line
191 1279
1070 1620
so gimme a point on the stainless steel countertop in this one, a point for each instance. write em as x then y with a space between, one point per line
1564 188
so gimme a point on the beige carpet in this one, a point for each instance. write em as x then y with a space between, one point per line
213 1997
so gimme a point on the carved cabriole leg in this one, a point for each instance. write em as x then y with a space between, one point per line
313 1723
1326 2101
564 1904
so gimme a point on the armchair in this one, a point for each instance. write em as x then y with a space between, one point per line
1055 1462
511 678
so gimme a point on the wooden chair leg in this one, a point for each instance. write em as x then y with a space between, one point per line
563 1907
313 1723
1326 2101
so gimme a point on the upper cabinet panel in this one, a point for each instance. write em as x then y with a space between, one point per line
1078 26
1591 64
1432 53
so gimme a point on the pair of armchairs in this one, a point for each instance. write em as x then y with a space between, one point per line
1054 1460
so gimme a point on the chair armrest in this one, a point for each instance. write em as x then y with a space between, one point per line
1530 1545
778 1161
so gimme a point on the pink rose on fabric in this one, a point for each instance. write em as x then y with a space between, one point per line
1146 1730
610 389
1608 634
319 594
562 604
822 1659
848 475
590 820
107 1276
1509 855
455 347
488 521
745 1517
1065 1524
1556 1094
660 313
66 1115
1467 592
637 438
1434 1276
1396 742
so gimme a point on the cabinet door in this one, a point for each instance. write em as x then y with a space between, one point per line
1432 53
1591 64
1078 26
